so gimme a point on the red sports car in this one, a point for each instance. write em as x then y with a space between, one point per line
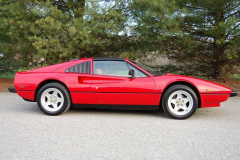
116 83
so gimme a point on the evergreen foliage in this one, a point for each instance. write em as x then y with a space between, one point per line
202 36
61 30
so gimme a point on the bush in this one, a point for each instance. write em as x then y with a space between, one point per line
8 67
234 77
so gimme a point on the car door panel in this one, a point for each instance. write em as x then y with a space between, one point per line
123 90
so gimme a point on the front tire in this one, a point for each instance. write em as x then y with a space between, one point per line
53 99
179 102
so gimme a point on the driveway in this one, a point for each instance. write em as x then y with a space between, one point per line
26 133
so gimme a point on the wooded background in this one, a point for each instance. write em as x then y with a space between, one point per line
202 37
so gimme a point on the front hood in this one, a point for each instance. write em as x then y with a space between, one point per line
203 86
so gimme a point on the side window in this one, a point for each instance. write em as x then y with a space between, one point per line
137 72
111 68
80 68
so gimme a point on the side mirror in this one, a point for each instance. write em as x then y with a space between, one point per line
131 72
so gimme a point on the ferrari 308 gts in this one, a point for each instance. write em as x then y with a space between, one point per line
116 83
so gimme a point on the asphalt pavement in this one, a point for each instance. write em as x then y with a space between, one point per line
27 134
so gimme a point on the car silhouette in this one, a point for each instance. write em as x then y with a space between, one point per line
116 83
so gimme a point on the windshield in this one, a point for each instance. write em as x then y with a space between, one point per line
153 71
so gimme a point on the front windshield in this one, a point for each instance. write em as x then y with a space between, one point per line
153 71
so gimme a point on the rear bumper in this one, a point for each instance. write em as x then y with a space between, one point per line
26 95
12 89
233 94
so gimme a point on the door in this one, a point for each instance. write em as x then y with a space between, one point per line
111 84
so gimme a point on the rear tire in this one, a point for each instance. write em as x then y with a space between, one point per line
53 99
179 102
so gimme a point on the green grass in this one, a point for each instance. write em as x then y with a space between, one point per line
11 73
7 75
234 77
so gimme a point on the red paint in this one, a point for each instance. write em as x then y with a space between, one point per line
123 90
83 98
211 100
27 94
102 89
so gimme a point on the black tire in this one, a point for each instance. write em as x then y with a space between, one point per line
183 109
57 92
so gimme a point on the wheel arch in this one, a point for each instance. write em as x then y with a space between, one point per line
182 83
49 81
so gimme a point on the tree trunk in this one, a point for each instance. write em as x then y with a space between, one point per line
220 70
219 50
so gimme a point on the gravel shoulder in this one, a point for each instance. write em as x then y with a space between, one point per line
26 133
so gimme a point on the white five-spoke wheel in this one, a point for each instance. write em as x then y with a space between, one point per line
179 102
53 99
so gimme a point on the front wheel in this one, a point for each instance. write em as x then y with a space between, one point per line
53 99
179 102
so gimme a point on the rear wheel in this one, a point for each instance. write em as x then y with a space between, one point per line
179 102
53 99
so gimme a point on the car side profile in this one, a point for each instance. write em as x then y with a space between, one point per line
116 83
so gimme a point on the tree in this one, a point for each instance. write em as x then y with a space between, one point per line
63 29
14 26
202 35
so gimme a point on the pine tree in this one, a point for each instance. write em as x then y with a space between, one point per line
62 29
201 35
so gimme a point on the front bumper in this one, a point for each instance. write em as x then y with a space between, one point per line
12 89
233 94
